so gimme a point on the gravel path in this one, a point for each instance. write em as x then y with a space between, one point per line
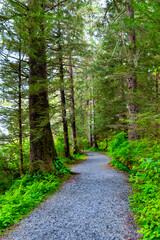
92 205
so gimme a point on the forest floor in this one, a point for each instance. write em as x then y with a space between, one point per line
92 205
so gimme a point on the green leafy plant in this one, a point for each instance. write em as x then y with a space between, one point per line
60 166
25 194
141 159
145 200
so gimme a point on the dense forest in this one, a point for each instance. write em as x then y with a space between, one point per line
78 75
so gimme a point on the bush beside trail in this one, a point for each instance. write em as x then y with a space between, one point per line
20 195
141 159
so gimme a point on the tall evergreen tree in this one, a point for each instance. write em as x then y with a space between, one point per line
132 79
42 149
14 75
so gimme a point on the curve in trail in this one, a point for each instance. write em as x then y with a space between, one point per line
92 205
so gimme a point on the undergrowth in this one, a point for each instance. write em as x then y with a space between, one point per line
76 159
141 159
92 149
25 193
117 164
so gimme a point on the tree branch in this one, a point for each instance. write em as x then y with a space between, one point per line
19 4
56 5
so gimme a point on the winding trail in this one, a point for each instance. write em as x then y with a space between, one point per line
92 205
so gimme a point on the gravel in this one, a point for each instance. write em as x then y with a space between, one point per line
92 205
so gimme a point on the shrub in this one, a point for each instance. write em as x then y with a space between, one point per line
60 146
141 158
25 194
145 200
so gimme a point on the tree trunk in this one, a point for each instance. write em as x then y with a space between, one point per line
73 120
157 102
89 124
62 92
63 105
132 80
20 114
124 104
94 142
42 149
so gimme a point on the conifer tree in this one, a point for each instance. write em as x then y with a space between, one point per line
73 119
42 149
132 81
13 74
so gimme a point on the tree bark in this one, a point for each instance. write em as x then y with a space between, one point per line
132 80
156 102
62 94
89 124
63 105
42 149
20 113
94 142
73 120
124 104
